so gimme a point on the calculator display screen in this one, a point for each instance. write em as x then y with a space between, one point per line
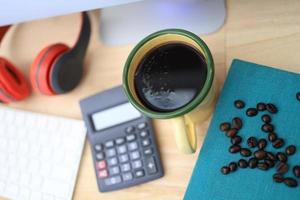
114 116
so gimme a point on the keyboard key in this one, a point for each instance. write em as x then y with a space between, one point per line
102 173
120 141
127 176
125 167
101 164
24 194
142 125
130 137
109 144
111 152
137 164
98 147
122 149
151 165
55 188
100 156
139 173
135 155
123 158
132 146
112 161
129 129
148 151
146 142
144 133
114 170
113 180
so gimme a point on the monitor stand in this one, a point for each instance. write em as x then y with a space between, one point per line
129 23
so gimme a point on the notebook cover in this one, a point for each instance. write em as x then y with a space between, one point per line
252 83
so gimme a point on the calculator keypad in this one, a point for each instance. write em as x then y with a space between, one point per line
126 158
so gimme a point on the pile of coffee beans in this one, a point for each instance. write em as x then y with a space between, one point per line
254 154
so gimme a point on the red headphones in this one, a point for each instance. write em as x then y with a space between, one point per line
57 68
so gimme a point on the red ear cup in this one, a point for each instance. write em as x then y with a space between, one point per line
41 67
13 85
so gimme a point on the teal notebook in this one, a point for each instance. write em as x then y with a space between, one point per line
252 83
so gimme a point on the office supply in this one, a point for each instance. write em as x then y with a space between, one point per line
122 141
39 155
250 82
57 69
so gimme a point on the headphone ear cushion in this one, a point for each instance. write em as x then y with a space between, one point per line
41 67
13 85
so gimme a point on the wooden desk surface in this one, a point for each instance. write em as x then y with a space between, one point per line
267 32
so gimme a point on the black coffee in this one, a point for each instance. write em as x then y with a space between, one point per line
170 76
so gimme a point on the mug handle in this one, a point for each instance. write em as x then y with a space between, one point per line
185 135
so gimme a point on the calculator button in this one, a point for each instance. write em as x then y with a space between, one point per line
129 129
137 164
100 156
120 140
127 176
114 170
109 144
111 152
125 167
144 133
135 155
132 146
102 173
122 149
151 165
142 125
146 142
112 161
139 173
130 137
101 164
98 147
113 180
123 158
148 151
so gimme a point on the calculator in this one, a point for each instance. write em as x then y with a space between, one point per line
122 141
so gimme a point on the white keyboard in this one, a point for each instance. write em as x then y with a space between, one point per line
39 155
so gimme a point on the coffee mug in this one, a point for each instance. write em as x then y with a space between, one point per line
198 103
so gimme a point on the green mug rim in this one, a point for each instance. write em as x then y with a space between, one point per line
194 103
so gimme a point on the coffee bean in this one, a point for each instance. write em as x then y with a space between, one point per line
272 108
252 142
261 106
225 126
251 112
236 140
253 163
245 152
272 137
225 170
266 118
282 168
260 154
262 166
262 143
234 148
271 156
242 163
267 128
296 171
231 132
298 96
239 104
270 163
290 182
281 157
278 143
290 150
232 166
237 123
278 178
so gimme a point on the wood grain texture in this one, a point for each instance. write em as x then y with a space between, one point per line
267 32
